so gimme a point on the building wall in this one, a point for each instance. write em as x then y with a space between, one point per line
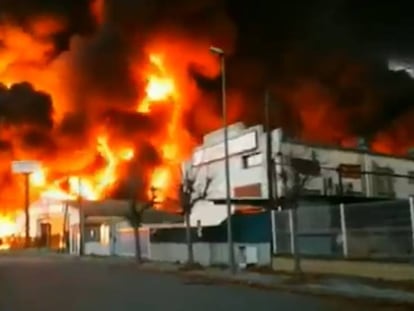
97 248
246 146
209 162
124 240
369 185
47 211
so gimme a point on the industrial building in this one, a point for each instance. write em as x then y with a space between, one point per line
355 173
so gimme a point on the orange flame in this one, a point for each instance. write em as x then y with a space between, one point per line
7 226
168 91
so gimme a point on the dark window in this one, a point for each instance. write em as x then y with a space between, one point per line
252 160
92 233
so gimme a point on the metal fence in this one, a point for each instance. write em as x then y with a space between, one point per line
376 230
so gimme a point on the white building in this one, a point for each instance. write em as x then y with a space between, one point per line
386 177
107 232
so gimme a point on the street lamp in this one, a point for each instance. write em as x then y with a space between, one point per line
221 54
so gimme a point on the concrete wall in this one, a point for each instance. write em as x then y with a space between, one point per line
367 185
97 248
206 254
367 269
51 211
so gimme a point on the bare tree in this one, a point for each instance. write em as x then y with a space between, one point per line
189 194
138 204
294 179
134 217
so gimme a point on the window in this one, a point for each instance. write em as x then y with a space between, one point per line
411 177
383 181
252 160
92 233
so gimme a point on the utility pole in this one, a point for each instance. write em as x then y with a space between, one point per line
232 262
269 157
26 209
81 220
26 168
271 173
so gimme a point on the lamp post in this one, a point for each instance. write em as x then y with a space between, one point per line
26 168
221 54
81 219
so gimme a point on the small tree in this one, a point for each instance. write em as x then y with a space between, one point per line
189 195
136 211
294 180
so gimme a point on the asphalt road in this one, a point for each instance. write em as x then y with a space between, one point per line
54 284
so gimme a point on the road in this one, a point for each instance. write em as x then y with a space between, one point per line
43 284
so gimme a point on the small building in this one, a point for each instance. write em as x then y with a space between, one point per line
55 224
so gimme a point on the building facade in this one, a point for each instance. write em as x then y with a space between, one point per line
343 172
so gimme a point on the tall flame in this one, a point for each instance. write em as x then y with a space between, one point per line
94 167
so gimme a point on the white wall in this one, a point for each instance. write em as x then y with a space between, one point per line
97 248
206 254
204 211
332 158
124 242
42 209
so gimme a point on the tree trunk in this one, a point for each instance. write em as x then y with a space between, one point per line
137 244
64 247
189 240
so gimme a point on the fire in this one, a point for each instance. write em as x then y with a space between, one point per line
7 226
160 87
87 151
38 178
173 145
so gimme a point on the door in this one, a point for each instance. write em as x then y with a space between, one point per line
45 234
113 241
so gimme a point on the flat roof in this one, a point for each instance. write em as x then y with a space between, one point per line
121 208
340 148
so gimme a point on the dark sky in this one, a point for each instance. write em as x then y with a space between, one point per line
266 26
372 26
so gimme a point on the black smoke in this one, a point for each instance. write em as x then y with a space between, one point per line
28 113
22 105
341 46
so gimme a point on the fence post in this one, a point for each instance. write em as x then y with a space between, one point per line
411 200
343 230
274 234
292 238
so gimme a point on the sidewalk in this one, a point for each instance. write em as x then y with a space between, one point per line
333 286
